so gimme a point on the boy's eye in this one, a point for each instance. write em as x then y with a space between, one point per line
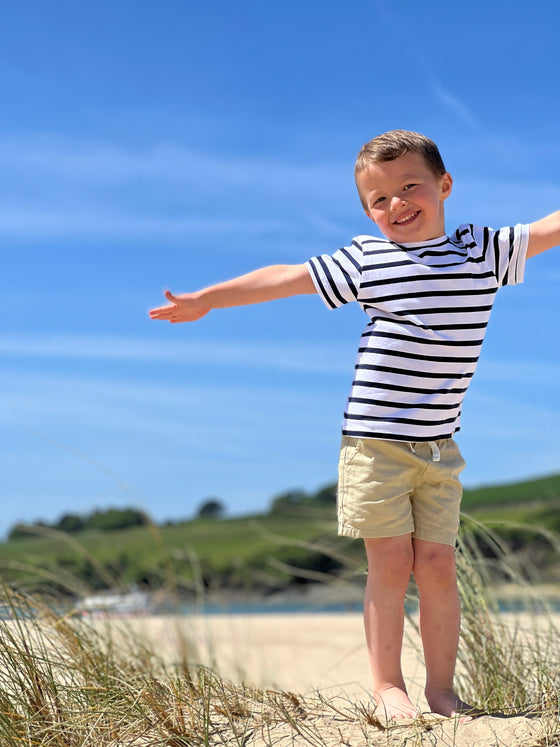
408 186
378 200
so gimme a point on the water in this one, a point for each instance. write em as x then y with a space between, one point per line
263 607
291 607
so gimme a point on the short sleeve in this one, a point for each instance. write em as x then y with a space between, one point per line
507 251
337 277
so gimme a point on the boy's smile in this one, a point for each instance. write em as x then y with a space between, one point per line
405 198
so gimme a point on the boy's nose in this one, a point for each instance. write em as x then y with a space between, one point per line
397 202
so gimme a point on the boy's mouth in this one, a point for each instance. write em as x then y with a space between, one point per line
406 219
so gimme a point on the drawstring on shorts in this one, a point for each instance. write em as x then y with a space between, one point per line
436 455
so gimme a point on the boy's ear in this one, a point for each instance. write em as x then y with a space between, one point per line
446 185
369 216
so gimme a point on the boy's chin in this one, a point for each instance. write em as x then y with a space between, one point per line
403 237
413 236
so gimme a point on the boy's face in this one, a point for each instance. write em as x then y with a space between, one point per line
405 198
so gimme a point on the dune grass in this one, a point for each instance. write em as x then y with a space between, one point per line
72 681
509 663
75 682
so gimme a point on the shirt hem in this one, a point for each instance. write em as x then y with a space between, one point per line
409 438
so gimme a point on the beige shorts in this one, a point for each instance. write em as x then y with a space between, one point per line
392 488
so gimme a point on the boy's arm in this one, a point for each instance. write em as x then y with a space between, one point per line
544 234
266 284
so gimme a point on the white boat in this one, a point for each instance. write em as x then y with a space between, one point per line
133 602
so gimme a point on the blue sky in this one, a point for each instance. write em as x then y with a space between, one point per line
149 145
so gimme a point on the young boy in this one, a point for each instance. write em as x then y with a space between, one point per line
428 297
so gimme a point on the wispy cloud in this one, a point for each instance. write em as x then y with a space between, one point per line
497 202
529 419
520 372
150 426
257 354
507 151
115 404
454 104
436 76
39 221
58 187
99 163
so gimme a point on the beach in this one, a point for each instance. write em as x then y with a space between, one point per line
297 652
321 658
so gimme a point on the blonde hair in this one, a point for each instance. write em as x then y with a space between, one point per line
394 144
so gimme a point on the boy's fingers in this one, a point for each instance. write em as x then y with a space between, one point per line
162 312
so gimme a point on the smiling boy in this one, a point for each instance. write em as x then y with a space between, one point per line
428 297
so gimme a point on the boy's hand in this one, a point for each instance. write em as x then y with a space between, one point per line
185 308
266 284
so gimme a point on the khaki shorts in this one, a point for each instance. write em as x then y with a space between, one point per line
392 488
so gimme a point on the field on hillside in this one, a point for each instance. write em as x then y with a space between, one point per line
259 554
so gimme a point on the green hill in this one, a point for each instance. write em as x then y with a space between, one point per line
295 542
520 512
544 489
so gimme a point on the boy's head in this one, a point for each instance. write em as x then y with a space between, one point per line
402 183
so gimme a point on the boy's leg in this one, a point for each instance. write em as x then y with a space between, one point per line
390 562
440 619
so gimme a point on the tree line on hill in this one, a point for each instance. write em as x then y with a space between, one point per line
126 518
234 554
106 520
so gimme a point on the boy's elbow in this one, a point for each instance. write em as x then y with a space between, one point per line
544 234
306 283
299 279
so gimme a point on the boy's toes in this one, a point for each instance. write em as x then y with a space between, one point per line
393 704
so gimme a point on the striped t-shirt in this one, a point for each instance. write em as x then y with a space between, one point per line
428 306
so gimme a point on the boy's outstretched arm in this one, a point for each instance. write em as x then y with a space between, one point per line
544 234
266 284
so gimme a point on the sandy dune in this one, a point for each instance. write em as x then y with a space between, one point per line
311 654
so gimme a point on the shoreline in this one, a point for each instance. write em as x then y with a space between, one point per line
323 596
302 652
320 599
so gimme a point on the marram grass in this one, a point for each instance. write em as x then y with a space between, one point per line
69 681
75 682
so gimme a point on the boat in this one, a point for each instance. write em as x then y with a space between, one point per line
102 604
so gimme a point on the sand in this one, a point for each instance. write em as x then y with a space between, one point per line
324 655
300 653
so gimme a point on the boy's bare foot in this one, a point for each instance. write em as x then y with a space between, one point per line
394 703
447 703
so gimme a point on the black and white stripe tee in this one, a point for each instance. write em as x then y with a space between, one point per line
428 306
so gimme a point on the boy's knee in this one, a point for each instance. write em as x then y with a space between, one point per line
435 566
390 560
